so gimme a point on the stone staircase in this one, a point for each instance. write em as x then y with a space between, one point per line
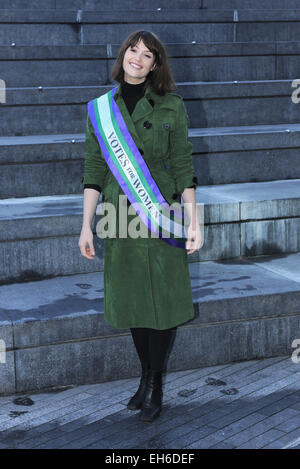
235 64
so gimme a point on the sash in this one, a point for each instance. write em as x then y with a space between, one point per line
130 170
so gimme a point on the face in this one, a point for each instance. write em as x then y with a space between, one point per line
137 63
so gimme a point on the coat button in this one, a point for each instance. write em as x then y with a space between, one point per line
141 151
147 125
166 125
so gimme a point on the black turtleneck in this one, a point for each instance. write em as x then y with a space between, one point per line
132 93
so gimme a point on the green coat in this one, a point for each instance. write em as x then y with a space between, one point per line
146 280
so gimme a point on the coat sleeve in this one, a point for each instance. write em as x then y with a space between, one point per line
95 166
181 158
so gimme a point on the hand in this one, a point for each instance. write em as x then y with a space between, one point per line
194 240
85 243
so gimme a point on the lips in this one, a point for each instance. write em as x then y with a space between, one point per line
136 66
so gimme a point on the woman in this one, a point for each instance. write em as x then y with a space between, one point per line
146 279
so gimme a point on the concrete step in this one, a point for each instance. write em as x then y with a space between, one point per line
258 153
53 110
39 235
54 334
251 4
85 65
99 5
40 165
66 27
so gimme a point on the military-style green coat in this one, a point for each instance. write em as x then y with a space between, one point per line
146 280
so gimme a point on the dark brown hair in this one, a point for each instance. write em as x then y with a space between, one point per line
160 79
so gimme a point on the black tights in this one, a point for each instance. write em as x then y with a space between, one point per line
152 345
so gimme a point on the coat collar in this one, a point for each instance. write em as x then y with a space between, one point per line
141 111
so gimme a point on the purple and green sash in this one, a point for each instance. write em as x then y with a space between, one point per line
130 170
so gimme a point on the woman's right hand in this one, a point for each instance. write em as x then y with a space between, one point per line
85 242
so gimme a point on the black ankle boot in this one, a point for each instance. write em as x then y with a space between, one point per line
152 404
137 399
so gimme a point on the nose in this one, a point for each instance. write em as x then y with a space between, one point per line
138 56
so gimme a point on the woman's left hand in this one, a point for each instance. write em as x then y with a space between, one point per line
194 240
